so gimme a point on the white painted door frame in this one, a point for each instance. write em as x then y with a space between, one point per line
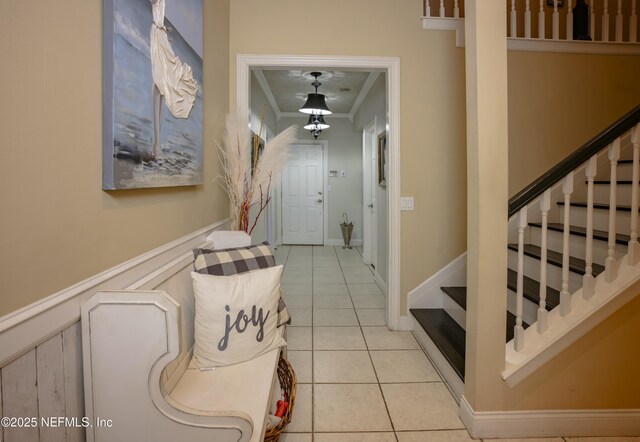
369 199
389 65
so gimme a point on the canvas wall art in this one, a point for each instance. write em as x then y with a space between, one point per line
152 93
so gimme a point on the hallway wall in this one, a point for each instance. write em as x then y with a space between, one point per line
58 226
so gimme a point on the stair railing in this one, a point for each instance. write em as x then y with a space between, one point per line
540 192
600 19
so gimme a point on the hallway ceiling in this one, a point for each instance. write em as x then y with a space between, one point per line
290 88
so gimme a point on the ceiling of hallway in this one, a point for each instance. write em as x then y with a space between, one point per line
290 88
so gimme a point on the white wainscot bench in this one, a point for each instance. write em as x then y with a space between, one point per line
138 385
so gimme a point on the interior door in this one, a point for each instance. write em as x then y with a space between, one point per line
369 175
302 196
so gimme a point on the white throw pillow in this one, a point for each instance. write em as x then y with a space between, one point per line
236 316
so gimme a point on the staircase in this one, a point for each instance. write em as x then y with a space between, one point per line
569 240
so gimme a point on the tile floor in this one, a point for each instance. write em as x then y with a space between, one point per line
357 381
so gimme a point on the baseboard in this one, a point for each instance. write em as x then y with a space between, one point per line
381 283
428 294
22 330
549 423
340 243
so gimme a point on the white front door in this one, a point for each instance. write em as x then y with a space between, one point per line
302 196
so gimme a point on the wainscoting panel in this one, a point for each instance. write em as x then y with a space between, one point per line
73 380
50 387
41 345
20 396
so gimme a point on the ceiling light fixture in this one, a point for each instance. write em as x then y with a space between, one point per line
315 104
316 125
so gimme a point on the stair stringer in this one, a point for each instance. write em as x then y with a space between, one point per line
564 331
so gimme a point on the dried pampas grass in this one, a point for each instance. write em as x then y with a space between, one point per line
244 188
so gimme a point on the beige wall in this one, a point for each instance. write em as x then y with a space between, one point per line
432 105
58 226
557 102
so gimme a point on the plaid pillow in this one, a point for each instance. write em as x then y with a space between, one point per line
229 262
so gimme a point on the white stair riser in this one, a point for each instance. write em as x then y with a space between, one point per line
454 310
554 273
623 193
529 309
578 217
577 245
625 172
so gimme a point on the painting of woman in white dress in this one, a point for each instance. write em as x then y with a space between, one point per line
152 93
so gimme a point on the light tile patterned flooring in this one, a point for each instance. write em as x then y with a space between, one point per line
357 381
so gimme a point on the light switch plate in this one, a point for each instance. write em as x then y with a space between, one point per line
343 173
406 203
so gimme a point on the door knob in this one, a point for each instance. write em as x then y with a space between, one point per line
370 206
319 201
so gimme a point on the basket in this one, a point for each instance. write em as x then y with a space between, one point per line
287 378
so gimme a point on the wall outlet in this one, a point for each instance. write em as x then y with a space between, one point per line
406 203
343 173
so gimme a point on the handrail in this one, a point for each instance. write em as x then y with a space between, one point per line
573 161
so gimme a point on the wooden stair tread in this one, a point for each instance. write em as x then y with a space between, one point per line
600 235
446 334
458 294
622 208
531 290
626 182
576 265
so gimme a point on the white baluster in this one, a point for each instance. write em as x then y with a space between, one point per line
619 22
592 20
633 24
569 20
427 8
541 31
565 296
588 282
634 248
605 21
518 330
456 9
513 17
442 13
545 205
610 271
527 20
556 21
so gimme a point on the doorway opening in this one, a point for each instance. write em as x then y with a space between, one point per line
390 67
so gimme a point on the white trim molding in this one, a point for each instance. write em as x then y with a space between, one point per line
390 65
24 329
368 84
446 24
549 423
428 294
262 81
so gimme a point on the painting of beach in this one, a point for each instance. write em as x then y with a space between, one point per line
144 143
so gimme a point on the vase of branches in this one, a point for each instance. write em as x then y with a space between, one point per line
248 175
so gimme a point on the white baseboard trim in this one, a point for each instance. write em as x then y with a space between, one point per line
22 330
339 242
381 283
428 294
549 423
406 323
